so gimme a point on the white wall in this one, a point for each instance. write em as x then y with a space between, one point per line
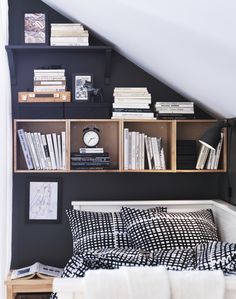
189 45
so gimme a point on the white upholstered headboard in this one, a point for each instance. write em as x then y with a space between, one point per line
224 213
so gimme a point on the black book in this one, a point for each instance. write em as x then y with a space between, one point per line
90 159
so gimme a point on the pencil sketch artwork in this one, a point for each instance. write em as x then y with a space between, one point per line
43 200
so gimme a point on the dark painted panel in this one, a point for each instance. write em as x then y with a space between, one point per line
51 243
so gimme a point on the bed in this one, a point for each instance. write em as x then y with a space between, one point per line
224 215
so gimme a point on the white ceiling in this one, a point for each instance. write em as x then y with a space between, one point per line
189 45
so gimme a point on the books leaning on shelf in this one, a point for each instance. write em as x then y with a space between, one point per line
49 80
43 152
132 102
90 158
37 269
69 34
174 110
209 158
137 146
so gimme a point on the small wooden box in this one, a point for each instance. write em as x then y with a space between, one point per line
44 97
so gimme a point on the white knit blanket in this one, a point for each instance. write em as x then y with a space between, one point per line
142 283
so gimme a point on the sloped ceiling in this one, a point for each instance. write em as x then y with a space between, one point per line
189 45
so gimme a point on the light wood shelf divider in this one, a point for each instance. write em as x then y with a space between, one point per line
112 136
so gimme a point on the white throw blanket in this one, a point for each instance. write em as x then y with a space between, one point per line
142 283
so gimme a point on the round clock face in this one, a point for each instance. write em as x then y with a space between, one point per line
91 138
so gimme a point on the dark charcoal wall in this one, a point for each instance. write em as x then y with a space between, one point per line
51 243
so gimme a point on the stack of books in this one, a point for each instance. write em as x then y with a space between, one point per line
90 158
49 80
186 154
69 34
174 110
209 158
137 145
43 151
132 102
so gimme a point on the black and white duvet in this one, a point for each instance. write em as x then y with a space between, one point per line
209 256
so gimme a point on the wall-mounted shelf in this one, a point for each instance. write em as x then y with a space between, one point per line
112 140
13 49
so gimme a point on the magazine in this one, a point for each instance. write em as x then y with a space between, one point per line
37 269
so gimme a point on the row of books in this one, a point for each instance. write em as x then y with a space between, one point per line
138 145
174 110
49 80
68 34
132 102
43 151
209 158
90 159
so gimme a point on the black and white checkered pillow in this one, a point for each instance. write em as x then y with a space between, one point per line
95 230
151 231
216 255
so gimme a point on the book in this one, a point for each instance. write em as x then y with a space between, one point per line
25 149
33 150
46 151
63 149
51 151
87 150
56 152
126 148
59 151
37 269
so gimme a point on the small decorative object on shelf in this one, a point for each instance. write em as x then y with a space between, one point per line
43 203
69 34
131 103
174 110
91 136
137 146
80 89
35 28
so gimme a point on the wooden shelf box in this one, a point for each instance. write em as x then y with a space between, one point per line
43 127
110 131
155 128
193 130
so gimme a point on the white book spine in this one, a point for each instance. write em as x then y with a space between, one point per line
162 155
54 138
142 166
33 148
130 151
210 159
40 154
51 151
218 151
59 150
25 149
63 144
148 152
133 150
42 151
126 149
198 165
204 156
46 151
30 149
151 152
137 152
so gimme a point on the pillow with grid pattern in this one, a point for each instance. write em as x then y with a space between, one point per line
216 255
151 231
95 230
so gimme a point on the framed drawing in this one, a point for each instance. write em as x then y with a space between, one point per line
81 84
35 28
43 200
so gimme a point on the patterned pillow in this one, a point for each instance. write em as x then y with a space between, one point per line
169 230
95 230
216 255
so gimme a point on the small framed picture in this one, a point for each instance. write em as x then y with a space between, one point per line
81 83
43 200
35 28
